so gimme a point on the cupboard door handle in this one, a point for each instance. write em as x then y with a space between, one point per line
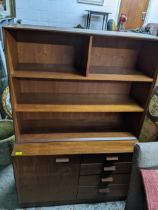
111 158
62 160
110 168
106 190
107 179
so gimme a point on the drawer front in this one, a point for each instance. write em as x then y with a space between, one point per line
104 180
91 168
118 157
117 168
106 168
127 157
102 193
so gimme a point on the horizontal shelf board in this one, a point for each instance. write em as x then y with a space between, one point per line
77 76
118 77
78 108
48 75
74 148
99 136
118 73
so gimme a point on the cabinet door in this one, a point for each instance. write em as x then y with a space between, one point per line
46 178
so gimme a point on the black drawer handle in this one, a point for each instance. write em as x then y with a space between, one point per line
107 179
112 158
110 168
62 160
106 190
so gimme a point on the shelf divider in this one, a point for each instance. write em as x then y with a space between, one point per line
89 54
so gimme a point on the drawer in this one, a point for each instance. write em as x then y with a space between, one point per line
102 193
85 159
97 180
106 168
91 168
117 168
127 157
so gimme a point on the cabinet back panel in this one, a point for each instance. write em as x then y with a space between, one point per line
39 91
127 58
45 53
83 87
69 122
112 52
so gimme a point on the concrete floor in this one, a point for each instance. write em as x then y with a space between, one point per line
8 197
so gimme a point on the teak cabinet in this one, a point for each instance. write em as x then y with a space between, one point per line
75 178
79 98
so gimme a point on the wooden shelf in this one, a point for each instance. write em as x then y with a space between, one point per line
48 75
77 103
77 76
82 136
118 74
78 108
73 148
118 77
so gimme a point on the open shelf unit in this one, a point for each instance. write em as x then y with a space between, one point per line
71 82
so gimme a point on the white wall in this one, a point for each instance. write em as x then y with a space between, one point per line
152 13
61 13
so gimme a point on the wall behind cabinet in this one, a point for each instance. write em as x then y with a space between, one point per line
61 13
152 15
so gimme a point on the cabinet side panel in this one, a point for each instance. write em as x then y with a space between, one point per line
11 58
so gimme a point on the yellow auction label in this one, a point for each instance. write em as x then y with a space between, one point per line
18 153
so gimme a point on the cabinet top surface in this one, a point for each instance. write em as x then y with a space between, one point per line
83 31
74 148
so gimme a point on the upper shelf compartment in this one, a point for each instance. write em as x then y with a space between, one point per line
117 58
47 51
58 55
43 95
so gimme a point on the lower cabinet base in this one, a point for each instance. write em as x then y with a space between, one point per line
71 179
50 203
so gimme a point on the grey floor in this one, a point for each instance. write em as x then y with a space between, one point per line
8 197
